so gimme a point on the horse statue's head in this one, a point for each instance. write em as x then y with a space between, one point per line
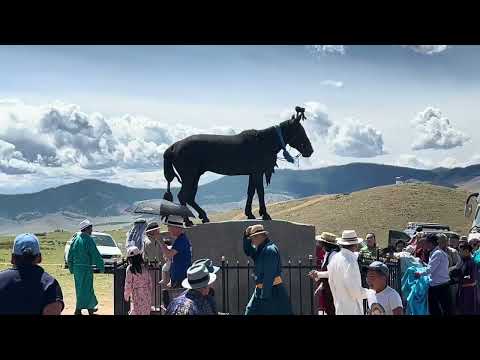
295 135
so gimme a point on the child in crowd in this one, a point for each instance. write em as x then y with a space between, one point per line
138 283
166 268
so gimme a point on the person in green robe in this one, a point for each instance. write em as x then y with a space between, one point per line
270 296
82 255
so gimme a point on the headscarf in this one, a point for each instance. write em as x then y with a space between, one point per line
136 234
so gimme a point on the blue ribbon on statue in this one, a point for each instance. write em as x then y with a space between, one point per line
286 154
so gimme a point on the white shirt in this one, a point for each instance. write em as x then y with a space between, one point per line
346 283
384 302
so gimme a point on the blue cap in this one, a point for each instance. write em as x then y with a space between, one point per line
26 244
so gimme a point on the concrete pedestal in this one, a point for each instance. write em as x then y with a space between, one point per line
295 242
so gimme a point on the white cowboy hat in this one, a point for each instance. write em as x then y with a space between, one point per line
473 237
349 237
174 220
198 277
84 224
327 237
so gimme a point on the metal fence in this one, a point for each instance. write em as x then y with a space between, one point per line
122 307
235 284
394 277
238 284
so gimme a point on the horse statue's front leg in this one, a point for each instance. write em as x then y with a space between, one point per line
261 197
250 193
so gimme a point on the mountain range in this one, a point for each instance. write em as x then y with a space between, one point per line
95 198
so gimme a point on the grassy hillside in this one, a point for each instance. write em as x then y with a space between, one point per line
378 209
95 198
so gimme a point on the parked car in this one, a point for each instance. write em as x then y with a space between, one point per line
394 236
106 245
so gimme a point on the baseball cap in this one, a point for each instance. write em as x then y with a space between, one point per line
26 244
380 267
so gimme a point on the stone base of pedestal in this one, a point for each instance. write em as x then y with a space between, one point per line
295 242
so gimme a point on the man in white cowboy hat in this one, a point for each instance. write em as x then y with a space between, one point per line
181 252
270 296
344 276
82 255
328 242
196 300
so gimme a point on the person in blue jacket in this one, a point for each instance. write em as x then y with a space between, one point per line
270 296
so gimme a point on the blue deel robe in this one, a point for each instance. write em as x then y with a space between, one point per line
415 290
270 300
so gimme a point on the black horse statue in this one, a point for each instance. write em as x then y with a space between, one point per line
252 152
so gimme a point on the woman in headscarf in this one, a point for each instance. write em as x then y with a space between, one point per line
467 299
328 242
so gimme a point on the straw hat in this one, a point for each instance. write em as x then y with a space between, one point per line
349 237
257 230
327 237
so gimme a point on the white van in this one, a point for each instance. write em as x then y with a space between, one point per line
107 247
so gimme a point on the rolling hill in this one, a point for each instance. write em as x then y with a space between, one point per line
377 209
100 199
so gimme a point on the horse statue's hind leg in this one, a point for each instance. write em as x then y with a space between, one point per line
250 194
261 197
182 196
191 201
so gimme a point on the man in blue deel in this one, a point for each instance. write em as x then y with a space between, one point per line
270 296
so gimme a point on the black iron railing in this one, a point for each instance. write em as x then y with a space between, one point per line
235 284
237 293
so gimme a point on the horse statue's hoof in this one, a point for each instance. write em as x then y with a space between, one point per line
188 223
266 217
204 221
251 217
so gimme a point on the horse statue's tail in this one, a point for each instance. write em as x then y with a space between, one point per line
169 172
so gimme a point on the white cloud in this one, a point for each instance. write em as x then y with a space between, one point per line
59 143
12 161
351 139
327 49
434 131
332 83
413 161
427 49
355 139
317 122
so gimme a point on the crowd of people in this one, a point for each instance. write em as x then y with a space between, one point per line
439 276
440 279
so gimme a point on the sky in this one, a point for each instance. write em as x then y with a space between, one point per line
108 112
